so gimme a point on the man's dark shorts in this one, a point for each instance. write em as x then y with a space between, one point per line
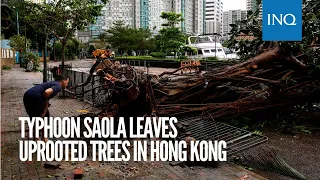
34 103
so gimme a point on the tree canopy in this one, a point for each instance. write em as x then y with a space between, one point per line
61 17
125 39
252 25
18 43
171 38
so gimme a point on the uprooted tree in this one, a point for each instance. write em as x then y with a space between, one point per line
277 77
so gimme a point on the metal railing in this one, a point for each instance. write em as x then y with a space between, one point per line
205 128
91 93
75 78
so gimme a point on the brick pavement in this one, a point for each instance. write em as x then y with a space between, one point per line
13 85
15 82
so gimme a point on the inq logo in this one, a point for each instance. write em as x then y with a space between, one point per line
282 19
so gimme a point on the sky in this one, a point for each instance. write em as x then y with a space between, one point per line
234 4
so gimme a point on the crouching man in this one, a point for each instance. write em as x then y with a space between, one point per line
36 99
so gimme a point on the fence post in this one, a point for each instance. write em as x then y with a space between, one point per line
206 66
74 78
93 91
82 87
51 74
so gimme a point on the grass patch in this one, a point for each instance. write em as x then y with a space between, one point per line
6 67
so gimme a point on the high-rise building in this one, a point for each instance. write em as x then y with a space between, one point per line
213 17
193 13
230 17
252 5
199 17
156 8
119 10
115 10
146 14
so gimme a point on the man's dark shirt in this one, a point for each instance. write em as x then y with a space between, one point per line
41 88
34 100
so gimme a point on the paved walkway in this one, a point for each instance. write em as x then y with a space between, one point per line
15 82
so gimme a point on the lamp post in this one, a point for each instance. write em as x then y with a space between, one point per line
17 17
215 43
18 22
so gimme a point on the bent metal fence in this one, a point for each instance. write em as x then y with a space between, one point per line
86 93
92 92
89 93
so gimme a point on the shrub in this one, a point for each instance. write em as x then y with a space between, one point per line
91 49
71 50
212 59
158 54
30 56
6 67
183 57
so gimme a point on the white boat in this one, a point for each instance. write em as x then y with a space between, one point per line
206 47
231 54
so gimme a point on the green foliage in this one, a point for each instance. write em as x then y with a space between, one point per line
257 132
171 38
29 22
172 18
212 59
63 17
158 54
91 49
190 49
225 44
303 129
125 39
72 49
138 58
34 57
252 26
6 67
102 41
17 42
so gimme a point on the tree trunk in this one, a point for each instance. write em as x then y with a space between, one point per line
54 50
64 43
45 59
63 54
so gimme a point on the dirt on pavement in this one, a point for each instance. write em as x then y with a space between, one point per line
300 151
